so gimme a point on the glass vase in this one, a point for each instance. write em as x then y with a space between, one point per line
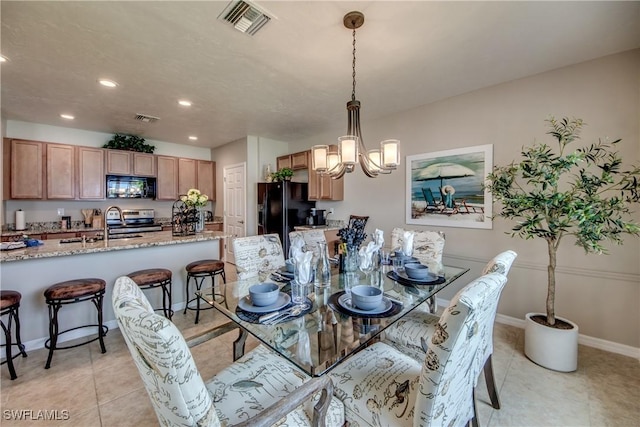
200 223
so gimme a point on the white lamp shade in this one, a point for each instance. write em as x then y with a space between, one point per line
319 157
390 149
333 161
374 156
348 149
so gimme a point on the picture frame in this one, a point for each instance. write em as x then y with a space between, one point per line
446 188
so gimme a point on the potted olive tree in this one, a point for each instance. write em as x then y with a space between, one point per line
555 193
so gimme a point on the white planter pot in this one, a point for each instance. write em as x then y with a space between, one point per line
551 348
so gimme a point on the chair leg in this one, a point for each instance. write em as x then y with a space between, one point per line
474 420
186 286
491 383
101 331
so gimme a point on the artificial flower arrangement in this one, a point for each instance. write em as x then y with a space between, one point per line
195 198
351 237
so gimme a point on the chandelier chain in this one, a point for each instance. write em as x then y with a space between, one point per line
353 91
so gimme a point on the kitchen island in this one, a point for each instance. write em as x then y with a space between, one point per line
31 270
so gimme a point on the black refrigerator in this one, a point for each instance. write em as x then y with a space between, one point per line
282 206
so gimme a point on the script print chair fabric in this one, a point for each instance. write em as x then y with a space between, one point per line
258 256
381 386
407 333
259 388
311 239
428 246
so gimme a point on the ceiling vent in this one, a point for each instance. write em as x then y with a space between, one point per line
146 119
244 16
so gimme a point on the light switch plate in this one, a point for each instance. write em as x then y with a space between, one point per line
60 211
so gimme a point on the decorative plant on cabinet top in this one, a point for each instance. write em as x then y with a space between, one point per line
129 143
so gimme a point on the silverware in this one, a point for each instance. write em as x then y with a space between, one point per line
392 299
290 312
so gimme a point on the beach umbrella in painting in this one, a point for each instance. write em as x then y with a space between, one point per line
442 171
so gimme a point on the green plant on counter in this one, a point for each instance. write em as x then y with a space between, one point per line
283 174
129 143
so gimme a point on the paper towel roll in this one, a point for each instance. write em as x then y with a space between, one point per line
20 220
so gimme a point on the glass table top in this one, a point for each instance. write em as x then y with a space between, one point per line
329 329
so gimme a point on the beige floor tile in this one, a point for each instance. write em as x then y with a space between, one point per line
132 409
112 383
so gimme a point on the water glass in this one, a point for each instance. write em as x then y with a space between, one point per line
398 265
299 292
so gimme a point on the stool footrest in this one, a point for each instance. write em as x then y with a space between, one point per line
105 329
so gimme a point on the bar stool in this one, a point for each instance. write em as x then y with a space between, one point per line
71 292
9 304
153 278
198 271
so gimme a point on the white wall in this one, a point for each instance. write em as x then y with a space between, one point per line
45 211
600 293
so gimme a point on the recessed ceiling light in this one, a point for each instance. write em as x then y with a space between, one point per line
67 116
193 138
107 83
184 103
3 58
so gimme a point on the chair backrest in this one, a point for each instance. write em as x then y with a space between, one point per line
358 222
428 246
258 256
311 239
501 263
170 376
445 395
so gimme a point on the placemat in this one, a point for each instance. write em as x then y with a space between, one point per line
253 317
333 303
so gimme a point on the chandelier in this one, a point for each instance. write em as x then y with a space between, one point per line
351 148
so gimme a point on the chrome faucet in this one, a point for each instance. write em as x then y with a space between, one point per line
106 227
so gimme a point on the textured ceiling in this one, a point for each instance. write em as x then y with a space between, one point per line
293 78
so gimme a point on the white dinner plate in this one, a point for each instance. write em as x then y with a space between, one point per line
345 301
246 305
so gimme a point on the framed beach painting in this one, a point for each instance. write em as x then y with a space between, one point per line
445 188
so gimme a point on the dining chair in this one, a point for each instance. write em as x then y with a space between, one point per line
258 256
358 222
428 246
260 388
311 239
382 386
407 333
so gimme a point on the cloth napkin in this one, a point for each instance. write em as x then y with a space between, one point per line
303 270
407 243
366 254
378 238
297 243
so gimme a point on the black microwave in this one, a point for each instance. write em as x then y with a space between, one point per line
130 187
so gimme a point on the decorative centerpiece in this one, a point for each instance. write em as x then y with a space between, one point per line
187 214
351 238
129 143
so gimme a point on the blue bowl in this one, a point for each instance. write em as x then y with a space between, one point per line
416 270
366 297
264 294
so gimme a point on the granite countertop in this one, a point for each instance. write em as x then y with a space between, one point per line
316 227
53 248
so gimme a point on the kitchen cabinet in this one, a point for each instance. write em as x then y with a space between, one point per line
323 187
206 178
167 185
24 162
187 175
121 162
90 167
295 161
61 171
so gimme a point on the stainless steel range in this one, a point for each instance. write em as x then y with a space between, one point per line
133 221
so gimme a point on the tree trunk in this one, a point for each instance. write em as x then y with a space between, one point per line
551 277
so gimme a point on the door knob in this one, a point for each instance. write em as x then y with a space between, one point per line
241 222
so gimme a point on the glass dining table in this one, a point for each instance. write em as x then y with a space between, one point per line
328 329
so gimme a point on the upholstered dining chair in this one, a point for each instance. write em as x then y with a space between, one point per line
260 388
428 246
358 222
258 256
408 332
311 239
382 386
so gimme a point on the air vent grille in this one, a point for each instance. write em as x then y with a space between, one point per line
244 17
146 118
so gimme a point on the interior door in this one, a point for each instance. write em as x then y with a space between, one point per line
235 211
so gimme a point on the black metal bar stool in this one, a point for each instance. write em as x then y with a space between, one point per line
153 278
198 271
9 304
71 292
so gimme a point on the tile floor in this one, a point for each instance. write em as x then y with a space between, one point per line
105 389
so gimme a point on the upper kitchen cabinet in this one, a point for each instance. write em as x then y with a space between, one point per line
167 178
91 183
61 171
121 162
323 187
206 175
187 172
295 161
23 162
